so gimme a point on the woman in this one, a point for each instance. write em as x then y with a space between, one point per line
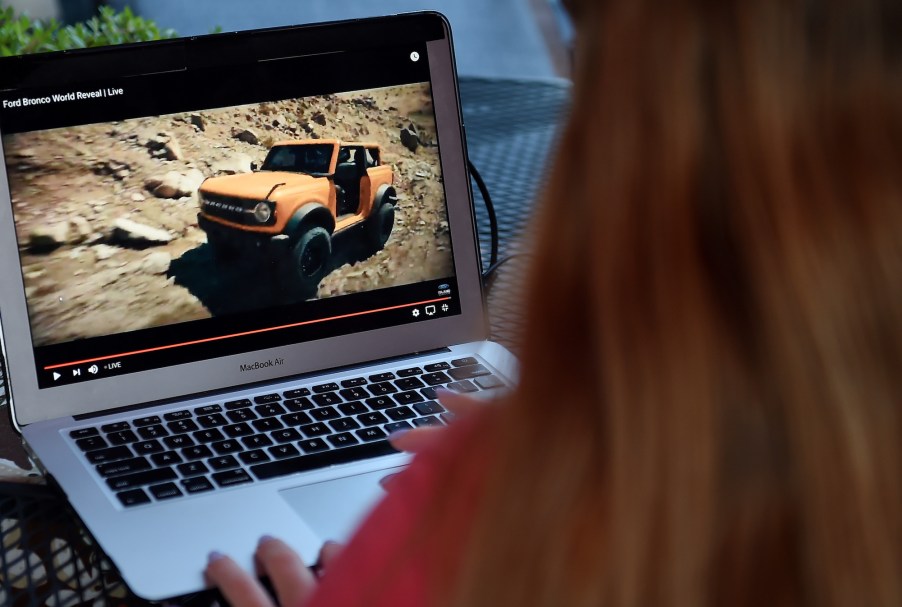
724 427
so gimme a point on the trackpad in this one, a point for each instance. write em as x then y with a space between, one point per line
334 509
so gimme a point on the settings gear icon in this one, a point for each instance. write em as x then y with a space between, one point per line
416 313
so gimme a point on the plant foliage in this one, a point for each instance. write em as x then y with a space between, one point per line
20 35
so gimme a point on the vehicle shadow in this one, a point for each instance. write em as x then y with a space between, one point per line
251 284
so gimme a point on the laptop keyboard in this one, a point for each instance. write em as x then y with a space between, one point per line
233 442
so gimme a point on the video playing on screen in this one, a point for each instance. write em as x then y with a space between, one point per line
161 220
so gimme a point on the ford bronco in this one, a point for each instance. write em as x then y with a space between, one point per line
290 207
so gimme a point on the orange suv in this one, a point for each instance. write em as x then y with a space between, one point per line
292 205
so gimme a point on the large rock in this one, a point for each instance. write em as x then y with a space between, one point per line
245 135
49 237
198 121
156 263
174 184
130 232
410 140
234 164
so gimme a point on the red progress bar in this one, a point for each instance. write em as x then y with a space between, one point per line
245 334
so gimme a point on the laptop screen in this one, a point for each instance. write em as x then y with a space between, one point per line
180 215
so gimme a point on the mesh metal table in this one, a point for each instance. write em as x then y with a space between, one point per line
46 558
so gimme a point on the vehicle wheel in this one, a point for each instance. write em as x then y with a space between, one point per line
310 258
381 224
221 251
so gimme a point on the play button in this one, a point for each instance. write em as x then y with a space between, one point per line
56 376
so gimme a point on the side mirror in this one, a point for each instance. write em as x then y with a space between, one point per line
255 167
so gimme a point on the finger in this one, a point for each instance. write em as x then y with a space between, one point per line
414 441
289 575
327 556
239 587
458 404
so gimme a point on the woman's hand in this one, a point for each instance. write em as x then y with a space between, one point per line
292 580
414 441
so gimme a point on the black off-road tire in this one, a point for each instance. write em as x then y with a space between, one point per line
310 258
380 225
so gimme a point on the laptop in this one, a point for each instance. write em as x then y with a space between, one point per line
231 266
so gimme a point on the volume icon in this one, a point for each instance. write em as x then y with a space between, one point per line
93 369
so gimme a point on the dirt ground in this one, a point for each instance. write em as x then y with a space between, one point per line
107 213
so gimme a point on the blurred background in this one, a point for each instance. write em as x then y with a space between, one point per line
526 39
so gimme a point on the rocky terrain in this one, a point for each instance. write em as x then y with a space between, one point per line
107 213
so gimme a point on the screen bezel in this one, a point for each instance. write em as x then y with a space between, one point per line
30 404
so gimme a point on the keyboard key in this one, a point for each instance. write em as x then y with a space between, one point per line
177 415
436 379
380 377
147 421
314 430
197 484
165 491
400 413
370 434
429 408
324 414
269 410
241 415
319 460
380 402
117 427
410 383
462 386
354 394
408 398
372 419
437 367
156 431
429 393
223 462
296 419
182 426
238 430
344 424
208 410
148 477
91 443
232 477
126 466
148 447
383 389
283 451
397 427
167 458
314 445
227 446
488 382
468 372
256 456
178 442
355 408
268 424
192 469
353 383
257 441
326 400
135 497
342 440
427 421
84 433
410 372
298 404
286 436
235 405
108 455
300 392
208 436
121 438
330 387
465 362
264 399
196 452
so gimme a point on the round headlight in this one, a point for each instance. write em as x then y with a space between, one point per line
262 212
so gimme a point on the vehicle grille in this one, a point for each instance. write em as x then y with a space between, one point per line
232 209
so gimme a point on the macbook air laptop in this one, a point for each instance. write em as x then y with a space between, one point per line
231 266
